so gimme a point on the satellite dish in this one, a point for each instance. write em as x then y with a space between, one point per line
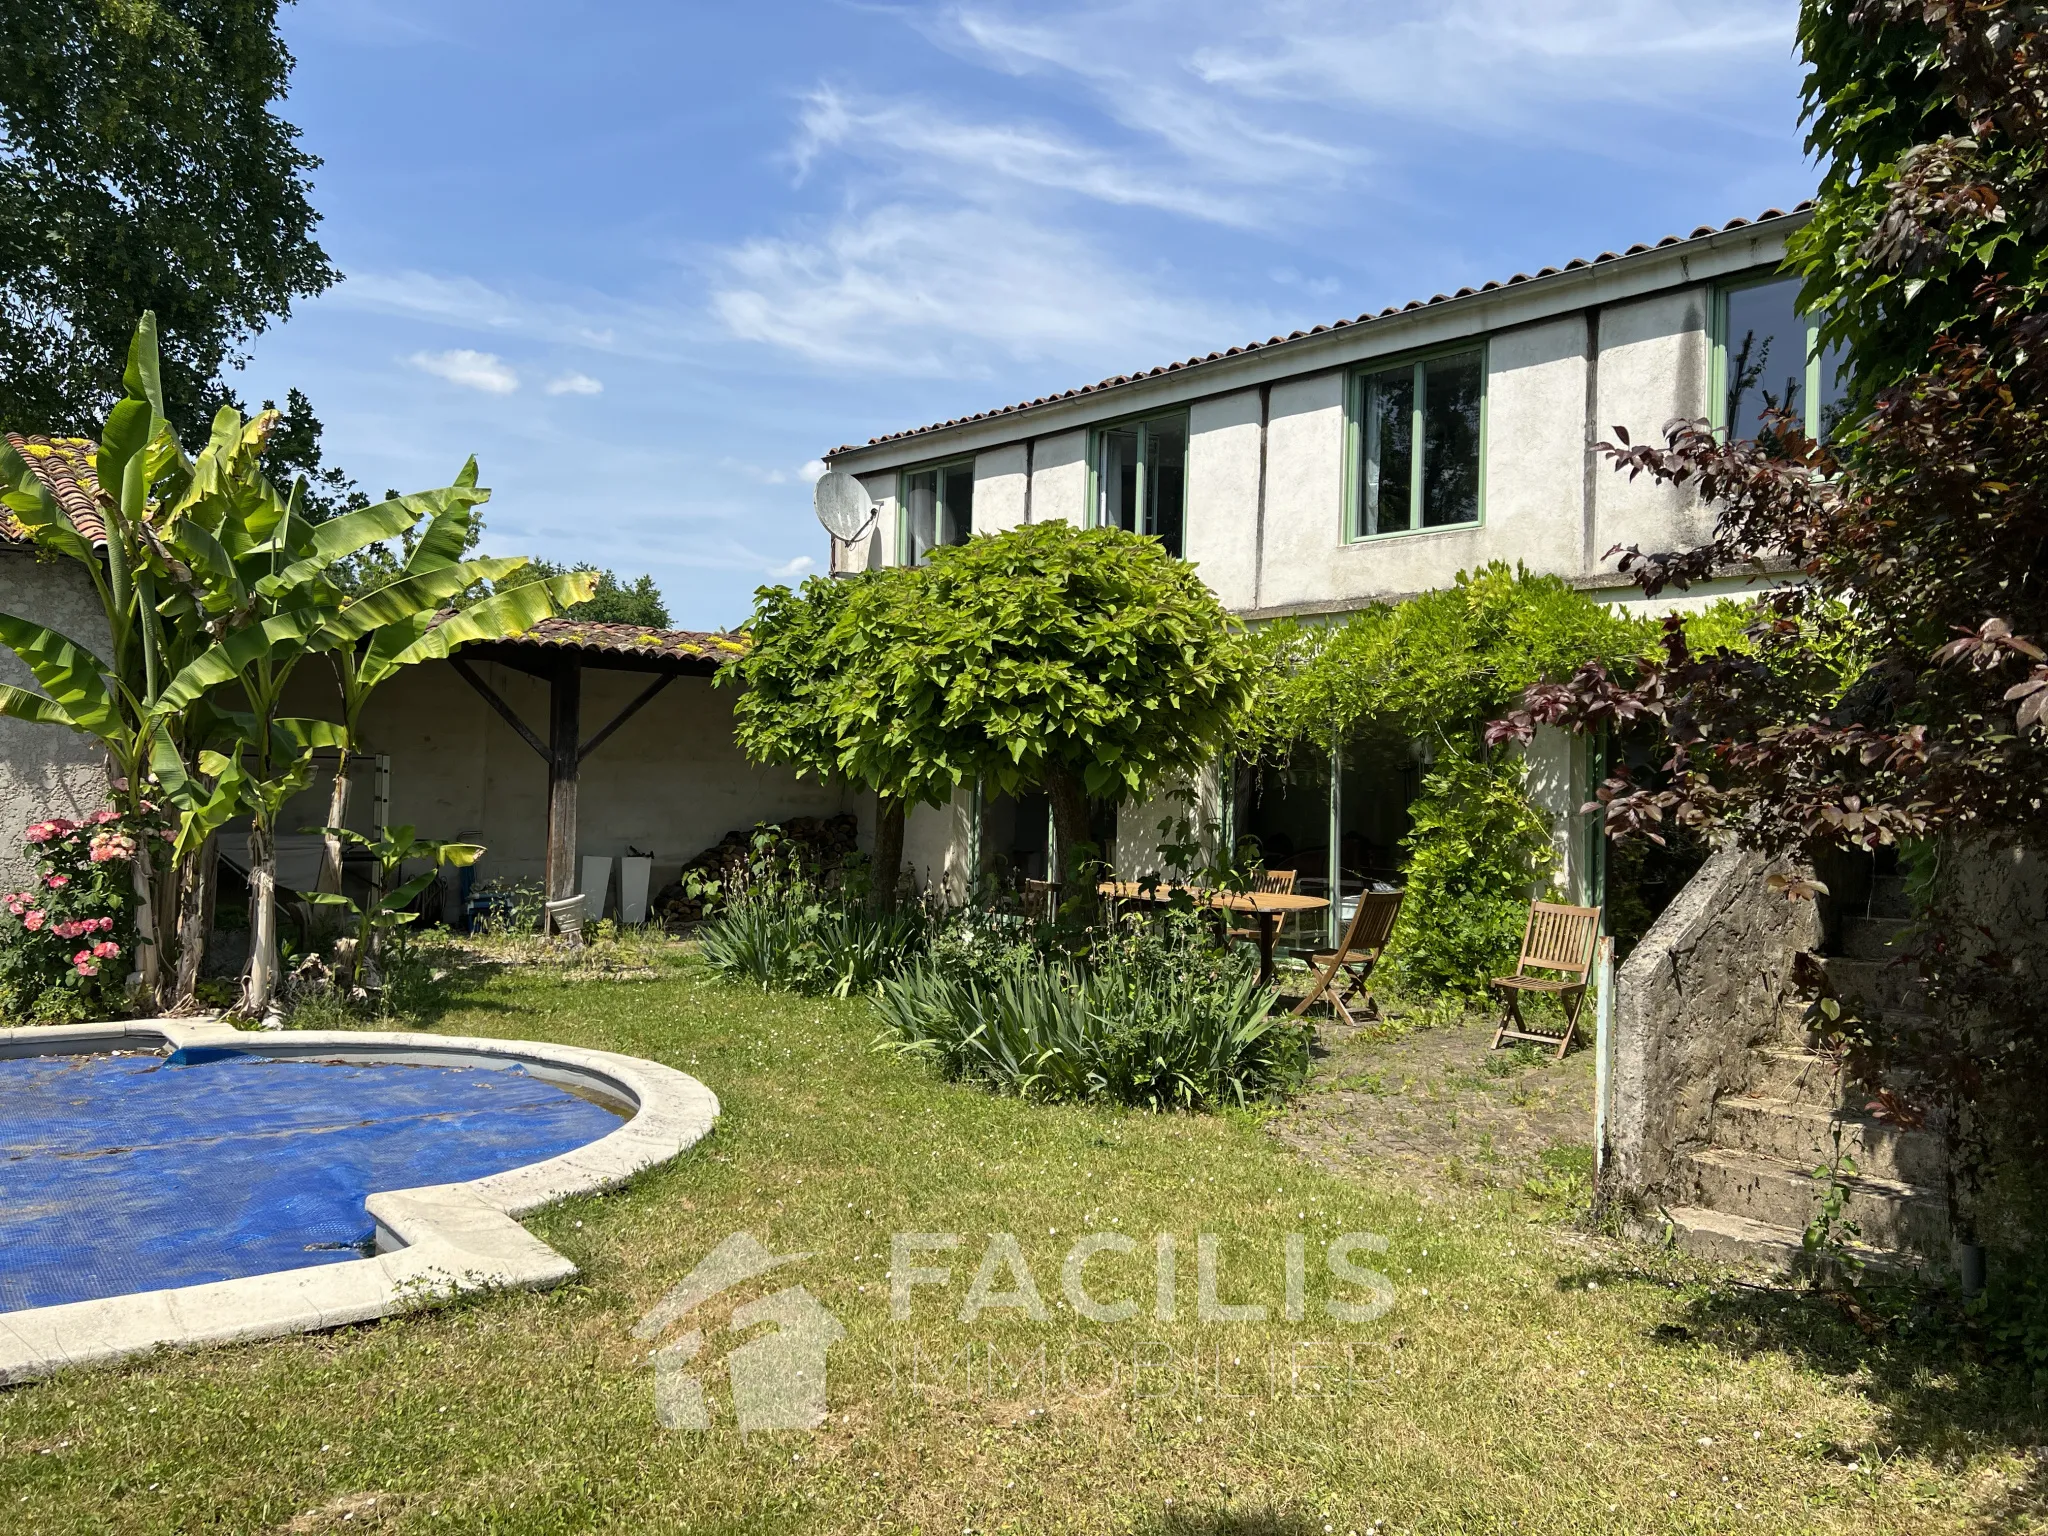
843 504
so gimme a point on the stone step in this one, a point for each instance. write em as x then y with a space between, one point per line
1870 938
1886 984
1803 1134
1890 1212
1888 897
1795 1073
1727 1239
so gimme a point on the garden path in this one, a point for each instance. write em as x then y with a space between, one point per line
1426 1100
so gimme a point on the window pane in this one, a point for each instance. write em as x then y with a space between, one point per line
1765 355
1834 391
1119 477
1389 449
1450 454
921 514
1166 482
956 509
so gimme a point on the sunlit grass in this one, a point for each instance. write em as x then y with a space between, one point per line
1528 1377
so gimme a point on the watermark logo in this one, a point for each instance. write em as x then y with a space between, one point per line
777 1379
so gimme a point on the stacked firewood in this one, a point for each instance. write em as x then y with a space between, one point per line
817 846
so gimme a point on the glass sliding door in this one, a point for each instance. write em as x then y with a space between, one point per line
938 508
1141 479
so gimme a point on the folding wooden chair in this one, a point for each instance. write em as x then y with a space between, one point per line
1041 900
1271 882
1352 962
1558 938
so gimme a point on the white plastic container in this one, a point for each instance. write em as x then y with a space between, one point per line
597 886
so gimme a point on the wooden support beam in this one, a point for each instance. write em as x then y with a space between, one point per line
468 675
565 729
624 715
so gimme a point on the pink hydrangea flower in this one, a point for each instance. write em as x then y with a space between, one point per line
106 925
106 949
112 845
56 882
32 920
101 818
86 965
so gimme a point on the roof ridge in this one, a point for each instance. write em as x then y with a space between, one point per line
64 465
1703 232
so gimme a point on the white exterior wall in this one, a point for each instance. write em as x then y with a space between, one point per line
670 780
1223 495
1535 491
45 770
937 843
999 483
1654 364
1305 495
1059 479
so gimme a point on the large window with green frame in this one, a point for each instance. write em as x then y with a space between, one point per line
1141 479
1767 357
938 508
1418 441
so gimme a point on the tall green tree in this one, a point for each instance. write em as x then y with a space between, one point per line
142 167
1086 663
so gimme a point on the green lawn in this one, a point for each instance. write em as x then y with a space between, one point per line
1528 1378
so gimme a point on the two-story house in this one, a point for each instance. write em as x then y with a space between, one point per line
1376 457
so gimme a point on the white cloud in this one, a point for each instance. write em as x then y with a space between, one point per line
923 142
789 570
575 384
805 474
484 371
813 470
594 321
918 289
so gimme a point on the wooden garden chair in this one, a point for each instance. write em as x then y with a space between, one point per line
1271 882
1342 973
1041 900
1559 939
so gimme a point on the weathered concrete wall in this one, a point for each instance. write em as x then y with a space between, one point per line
44 769
1557 787
1701 989
938 846
1654 361
1059 479
1223 496
669 780
999 488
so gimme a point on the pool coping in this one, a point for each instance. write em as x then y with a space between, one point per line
434 1242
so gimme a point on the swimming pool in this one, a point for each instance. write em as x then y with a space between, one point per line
181 1183
124 1173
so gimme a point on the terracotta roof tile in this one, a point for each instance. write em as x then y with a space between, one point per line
65 467
629 640
1575 264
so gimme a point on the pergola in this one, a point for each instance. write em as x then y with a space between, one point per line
557 651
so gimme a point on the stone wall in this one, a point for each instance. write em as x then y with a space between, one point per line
45 770
1702 988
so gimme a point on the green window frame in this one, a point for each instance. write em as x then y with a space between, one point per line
1394 392
1149 442
950 509
1819 390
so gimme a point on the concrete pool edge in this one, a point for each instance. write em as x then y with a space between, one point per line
435 1241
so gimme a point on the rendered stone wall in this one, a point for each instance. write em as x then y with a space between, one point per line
1701 989
45 770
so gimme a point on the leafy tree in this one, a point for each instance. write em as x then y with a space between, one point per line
294 452
1927 117
611 600
1087 663
142 168
1895 691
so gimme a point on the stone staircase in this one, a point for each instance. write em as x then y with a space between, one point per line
1752 1190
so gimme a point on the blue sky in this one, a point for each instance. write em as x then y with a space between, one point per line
647 261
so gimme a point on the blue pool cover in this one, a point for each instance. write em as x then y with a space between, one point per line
133 1173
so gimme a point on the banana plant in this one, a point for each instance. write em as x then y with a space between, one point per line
392 851
138 470
428 633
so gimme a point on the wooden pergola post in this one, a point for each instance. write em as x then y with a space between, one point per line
565 759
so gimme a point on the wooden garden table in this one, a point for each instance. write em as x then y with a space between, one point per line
1267 908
